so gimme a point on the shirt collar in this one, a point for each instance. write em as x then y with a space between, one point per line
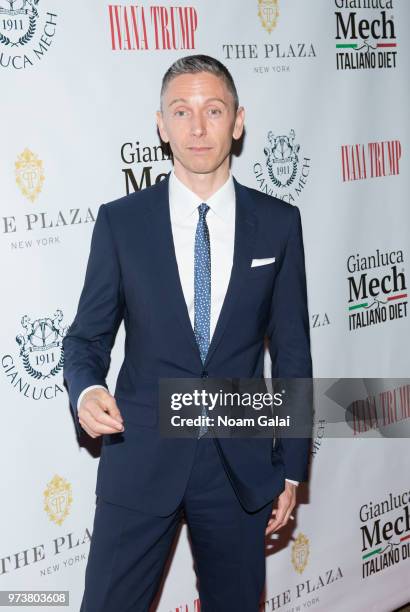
185 202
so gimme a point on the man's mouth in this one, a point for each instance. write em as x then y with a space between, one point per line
197 149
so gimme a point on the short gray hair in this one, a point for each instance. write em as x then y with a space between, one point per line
192 64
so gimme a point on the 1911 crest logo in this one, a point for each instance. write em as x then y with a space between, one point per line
42 354
58 499
24 41
18 25
29 174
282 159
300 553
41 347
268 12
287 172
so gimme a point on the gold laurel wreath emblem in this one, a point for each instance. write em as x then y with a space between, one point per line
58 499
268 13
300 553
29 174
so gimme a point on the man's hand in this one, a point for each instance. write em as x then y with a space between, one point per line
286 503
98 413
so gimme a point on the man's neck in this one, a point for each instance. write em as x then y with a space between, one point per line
203 185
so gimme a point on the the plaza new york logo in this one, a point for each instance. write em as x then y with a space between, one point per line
42 357
300 553
26 33
268 13
29 174
284 172
58 499
283 53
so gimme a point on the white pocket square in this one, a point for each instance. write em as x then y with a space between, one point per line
262 262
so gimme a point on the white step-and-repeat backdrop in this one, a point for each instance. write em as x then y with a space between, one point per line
325 84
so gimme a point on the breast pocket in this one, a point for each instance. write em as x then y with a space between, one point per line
262 270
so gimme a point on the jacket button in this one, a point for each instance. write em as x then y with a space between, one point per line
204 374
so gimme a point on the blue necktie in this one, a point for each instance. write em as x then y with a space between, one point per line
202 290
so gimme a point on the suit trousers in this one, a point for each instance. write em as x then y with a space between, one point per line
129 548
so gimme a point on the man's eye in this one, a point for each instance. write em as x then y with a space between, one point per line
214 111
180 113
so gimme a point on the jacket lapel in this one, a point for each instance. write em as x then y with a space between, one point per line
165 263
245 234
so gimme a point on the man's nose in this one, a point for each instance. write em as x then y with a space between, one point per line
198 124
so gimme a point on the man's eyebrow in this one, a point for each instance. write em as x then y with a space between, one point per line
185 101
218 100
178 100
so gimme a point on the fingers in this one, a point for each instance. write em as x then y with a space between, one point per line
88 430
99 413
287 516
95 428
277 522
111 406
280 516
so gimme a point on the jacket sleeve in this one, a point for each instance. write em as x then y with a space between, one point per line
89 340
289 348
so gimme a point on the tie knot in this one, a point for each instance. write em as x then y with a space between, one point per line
203 209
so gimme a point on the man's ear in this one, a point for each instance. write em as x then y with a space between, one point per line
239 123
161 127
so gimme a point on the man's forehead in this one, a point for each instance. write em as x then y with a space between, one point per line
201 83
197 88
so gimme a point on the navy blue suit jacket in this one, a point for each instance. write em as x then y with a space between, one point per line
132 275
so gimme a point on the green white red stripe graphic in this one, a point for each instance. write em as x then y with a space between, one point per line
398 296
376 551
356 45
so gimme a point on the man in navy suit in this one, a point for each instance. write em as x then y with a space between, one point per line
202 270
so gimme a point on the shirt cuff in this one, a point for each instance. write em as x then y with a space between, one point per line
84 391
295 482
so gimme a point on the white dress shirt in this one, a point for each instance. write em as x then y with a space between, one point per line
183 206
